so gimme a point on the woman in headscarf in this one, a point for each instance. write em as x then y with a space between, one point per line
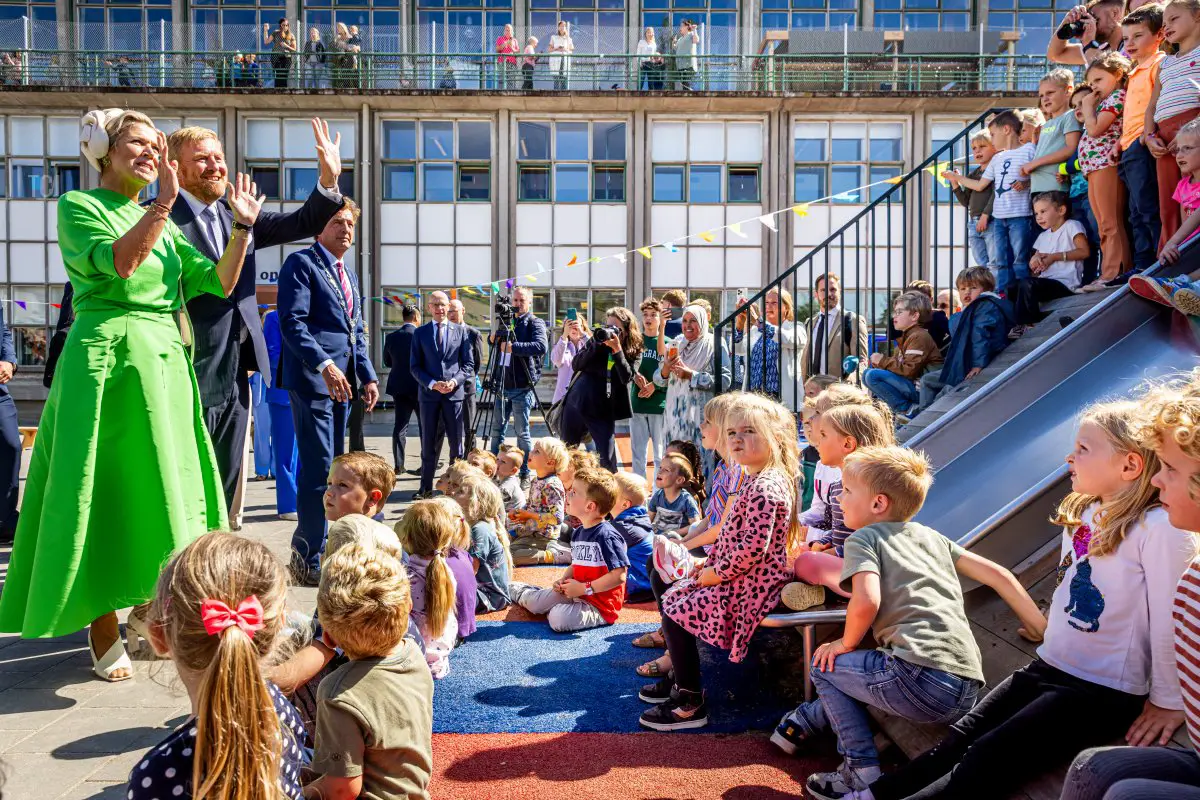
768 373
688 374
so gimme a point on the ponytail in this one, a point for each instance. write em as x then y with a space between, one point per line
505 543
439 593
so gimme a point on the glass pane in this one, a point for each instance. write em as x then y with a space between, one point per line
704 183
475 141
886 150
474 183
843 180
267 179
533 141
880 174
66 179
608 141
565 299
34 312
31 346
571 141
809 184
346 182
534 183
847 150
400 139
668 184
609 184
604 299
810 149
399 182
29 181
300 182
393 314
571 183
743 185
437 140
437 183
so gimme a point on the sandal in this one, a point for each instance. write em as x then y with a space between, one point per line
651 640
114 658
138 628
652 669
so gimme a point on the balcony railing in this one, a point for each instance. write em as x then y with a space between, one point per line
377 71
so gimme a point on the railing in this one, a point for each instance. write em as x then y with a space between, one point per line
363 71
915 229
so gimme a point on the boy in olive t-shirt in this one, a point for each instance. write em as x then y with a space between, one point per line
374 730
904 583
648 400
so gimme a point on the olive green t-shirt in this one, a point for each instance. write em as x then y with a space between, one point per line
375 719
921 617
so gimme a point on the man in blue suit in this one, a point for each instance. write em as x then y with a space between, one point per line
442 364
10 437
401 385
325 349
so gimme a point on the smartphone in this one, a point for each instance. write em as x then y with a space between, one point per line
572 314
742 294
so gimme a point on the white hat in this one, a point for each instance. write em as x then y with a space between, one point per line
93 138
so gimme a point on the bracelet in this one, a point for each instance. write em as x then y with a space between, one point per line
239 226
163 207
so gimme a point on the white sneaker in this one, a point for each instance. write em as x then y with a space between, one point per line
290 516
844 783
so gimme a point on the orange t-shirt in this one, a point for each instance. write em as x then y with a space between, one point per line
1138 88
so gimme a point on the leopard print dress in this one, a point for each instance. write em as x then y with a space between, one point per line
750 556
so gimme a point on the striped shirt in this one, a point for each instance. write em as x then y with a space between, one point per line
1177 78
727 479
1186 612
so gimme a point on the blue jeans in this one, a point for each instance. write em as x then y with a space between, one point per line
1014 246
895 390
983 245
1138 171
518 403
874 678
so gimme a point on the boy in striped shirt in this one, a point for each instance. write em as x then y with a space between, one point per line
1143 772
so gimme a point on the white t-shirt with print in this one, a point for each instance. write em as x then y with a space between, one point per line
1068 273
1003 171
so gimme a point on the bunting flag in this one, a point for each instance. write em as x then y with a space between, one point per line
541 269
708 237
496 287
619 257
768 221
800 210
454 294
645 251
846 197
671 248
21 303
531 278
736 228
937 170
896 180
574 258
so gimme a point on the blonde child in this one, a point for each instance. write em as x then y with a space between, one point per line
426 532
1186 152
1099 154
592 590
508 465
218 613
458 559
536 528
632 521
374 730
1059 135
483 506
448 483
840 430
745 570
817 518
1174 103
577 459
672 506
1107 665
1031 124
905 590
359 483
979 204
484 461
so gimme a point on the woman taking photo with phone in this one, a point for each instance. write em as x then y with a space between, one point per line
570 341
599 397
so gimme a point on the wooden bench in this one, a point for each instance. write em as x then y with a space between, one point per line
28 434
806 621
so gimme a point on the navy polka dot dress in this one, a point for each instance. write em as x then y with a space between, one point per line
165 772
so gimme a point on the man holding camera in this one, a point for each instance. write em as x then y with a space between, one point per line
686 63
527 346
1097 29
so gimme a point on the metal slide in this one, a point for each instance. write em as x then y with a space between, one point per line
999 455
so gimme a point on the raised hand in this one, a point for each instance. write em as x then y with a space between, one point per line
168 174
244 199
329 153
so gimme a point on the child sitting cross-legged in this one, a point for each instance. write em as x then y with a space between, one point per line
1107 666
218 613
426 531
632 521
893 379
904 583
535 529
1057 262
483 506
672 506
592 590
374 729
508 465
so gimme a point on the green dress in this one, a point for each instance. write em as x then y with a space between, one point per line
122 473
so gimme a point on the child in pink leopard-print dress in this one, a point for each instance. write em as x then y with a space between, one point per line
745 571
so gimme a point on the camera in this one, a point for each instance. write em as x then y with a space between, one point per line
1071 30
603 333
504 310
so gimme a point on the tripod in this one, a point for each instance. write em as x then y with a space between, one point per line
493 385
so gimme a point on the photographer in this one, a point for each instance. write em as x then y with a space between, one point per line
528 347
599 397
1096 26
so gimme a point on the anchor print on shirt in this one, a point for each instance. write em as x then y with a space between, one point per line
1086 602
1000 190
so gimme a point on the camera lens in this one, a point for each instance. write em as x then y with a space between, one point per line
1071 30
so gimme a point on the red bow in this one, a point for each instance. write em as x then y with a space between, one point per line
217 616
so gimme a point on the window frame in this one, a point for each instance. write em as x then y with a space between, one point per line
419 161
591 164
830 165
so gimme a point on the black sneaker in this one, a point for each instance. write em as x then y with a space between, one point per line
1065 321
302 574
659 692
687 710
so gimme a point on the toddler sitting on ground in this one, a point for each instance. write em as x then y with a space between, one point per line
632 521
535 529
672 506
508 465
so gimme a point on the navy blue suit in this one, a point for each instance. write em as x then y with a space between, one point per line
316 327
10 441
429 362
401 386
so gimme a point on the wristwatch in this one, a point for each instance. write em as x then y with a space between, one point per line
239 226
1093 44
589 591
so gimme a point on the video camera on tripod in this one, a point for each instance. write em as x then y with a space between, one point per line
505 314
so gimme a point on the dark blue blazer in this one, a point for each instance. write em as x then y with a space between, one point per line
397 356
8 352
274 338
457 363
316 325
217 322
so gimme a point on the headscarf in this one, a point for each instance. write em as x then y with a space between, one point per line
698 355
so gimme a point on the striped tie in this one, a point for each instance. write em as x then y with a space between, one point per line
347 292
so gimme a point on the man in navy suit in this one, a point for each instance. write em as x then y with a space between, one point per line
227 331
442 364
458 314
10 437
325 350
401 385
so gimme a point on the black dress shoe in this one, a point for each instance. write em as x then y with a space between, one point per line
413 471
302 574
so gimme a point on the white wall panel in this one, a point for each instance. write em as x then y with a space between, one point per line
298 139
28 262
744 142
813 229
56 271
668 270
706 142
743 267
63 136
527 258
435 265
27 139
609 224
706 267
668 222
609 272
397 223
578 275
398 265
753 228
668 141
472 265
533 223
706 218
262 138
473 223
27 220
52 220
435 223
571 224
266 263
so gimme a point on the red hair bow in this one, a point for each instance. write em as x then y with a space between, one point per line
217 616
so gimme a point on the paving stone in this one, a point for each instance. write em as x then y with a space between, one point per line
32 709
10 738
96 790
96 731
41 775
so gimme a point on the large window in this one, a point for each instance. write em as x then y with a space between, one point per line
571 162
809 14
946 15
437 161
717 20
1035 19
282 158
131 26
707 163
40 161
596 26
377 21
35 18
222 26
835 159
460 26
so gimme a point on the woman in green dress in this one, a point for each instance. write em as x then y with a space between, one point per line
122 473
